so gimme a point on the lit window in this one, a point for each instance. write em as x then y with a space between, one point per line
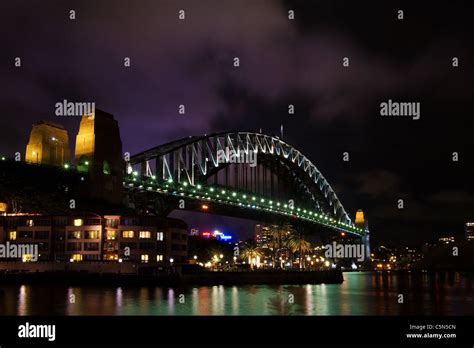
127 234
159 235
12 235
29 223
74 235
76 257
145 234
111 235
92 234
78 222
159 258
144 258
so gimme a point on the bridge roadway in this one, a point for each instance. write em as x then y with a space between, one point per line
202 195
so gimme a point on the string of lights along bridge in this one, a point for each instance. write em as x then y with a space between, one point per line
206 193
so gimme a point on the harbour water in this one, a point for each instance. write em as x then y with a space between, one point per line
361 293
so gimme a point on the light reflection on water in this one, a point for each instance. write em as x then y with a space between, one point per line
359 294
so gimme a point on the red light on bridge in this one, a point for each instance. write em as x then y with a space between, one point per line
204 207
343 234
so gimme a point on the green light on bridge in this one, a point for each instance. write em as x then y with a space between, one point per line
266 204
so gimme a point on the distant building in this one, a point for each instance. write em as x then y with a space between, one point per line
446 240
99 238
262 235
469 231
48 145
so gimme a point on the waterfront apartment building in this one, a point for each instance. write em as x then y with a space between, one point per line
141 239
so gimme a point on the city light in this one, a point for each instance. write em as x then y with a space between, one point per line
204 207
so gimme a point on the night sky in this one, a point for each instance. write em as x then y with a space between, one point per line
282 61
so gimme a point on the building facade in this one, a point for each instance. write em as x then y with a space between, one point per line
141 239
262 235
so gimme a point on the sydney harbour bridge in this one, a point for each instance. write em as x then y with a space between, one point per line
206 173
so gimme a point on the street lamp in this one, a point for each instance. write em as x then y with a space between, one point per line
195 257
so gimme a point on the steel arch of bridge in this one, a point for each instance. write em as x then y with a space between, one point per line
192 159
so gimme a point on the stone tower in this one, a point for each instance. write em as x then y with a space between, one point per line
362 222
48 145
99 153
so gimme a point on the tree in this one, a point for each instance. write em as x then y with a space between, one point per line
250 253
297 243
278 239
